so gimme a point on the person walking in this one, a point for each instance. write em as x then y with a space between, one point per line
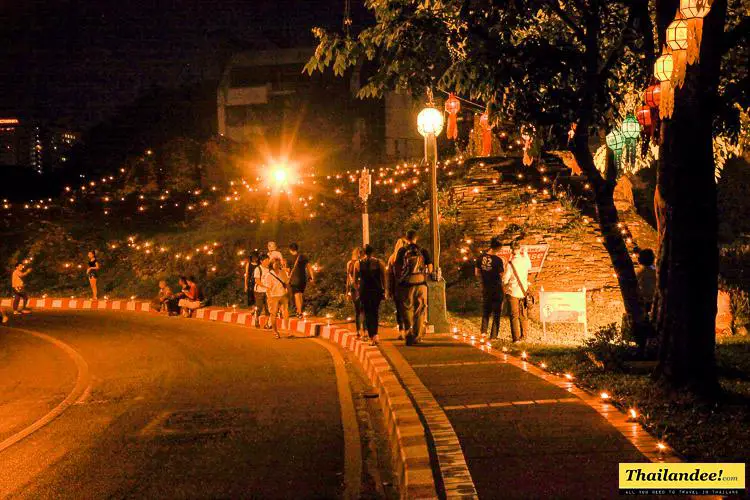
276 282
92 273
489 267
352 290
250 265
413 263
392 283
371 278
259 291
20 297
516 283
300 274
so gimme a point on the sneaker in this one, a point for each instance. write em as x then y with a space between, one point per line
17 313
277 335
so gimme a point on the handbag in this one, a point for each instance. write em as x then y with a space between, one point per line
528 298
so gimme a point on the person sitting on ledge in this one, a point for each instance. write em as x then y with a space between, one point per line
191 300
166 302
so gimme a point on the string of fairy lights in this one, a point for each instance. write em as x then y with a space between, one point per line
396 180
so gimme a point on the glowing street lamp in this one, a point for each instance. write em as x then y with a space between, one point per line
430 124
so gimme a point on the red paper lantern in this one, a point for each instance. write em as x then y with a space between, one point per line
452 107
484 122
652 96
644 117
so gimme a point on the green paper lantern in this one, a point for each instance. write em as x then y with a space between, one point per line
615 141
630 128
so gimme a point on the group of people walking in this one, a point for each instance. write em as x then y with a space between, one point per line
271 284
403 277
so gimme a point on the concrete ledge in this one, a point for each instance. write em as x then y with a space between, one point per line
405 431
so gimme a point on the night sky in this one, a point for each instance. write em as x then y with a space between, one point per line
77 61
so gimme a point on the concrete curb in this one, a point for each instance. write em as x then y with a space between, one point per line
405 431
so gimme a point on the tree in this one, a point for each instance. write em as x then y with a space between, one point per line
551 62
559 64
687 203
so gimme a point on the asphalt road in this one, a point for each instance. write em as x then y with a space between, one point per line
177 409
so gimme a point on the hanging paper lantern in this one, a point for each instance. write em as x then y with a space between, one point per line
644 117
677 40
452 107
630 128
484 122
694 11
651 96
616 142
663 69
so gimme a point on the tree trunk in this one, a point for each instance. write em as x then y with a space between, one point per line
613 240
604 186
688 258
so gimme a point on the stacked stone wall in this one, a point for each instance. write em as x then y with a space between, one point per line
576 258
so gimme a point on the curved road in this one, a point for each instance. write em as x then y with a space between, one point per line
178 408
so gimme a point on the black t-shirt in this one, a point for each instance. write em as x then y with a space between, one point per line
491 268
299 273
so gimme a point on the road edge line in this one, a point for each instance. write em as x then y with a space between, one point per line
81 389
352 441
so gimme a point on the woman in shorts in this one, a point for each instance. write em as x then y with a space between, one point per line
92 273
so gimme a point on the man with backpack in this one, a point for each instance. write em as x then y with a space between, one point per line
489 267
413 263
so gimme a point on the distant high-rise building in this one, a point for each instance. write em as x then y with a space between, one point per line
32 145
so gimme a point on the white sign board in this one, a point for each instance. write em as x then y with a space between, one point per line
537 255
562 307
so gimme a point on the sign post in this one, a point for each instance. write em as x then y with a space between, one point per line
365 188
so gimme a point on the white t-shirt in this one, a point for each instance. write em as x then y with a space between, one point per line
522 263
259 274
274 283
17 279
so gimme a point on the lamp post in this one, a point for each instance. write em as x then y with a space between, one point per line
430 124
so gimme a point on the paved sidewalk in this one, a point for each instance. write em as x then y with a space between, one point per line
521 436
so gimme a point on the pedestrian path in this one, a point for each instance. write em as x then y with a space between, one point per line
521 436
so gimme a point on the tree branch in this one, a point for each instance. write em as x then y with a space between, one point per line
567 19
736 35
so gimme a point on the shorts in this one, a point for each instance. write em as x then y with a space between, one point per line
92 275
298 287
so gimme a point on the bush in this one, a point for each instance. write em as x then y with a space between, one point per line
608 349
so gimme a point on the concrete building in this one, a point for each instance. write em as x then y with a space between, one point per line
29 144
255 86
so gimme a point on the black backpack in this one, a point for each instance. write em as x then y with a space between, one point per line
413 267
